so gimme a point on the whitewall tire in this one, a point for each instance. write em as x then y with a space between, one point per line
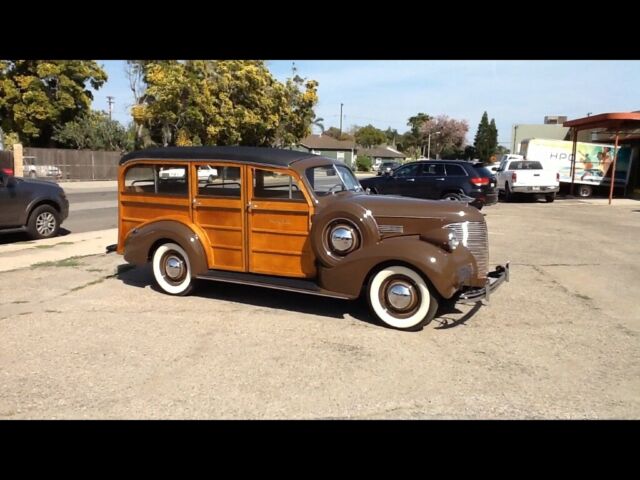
400 298
172 270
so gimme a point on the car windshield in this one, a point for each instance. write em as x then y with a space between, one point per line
329 179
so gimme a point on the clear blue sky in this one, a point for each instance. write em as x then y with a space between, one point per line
387 93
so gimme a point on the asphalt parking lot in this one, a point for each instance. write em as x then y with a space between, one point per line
91 338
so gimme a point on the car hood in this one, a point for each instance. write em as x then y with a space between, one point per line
386 208
39 184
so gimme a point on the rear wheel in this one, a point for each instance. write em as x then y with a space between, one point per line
508 194
550 197
585 191
172 270
452 196
32 174
400 298
44 222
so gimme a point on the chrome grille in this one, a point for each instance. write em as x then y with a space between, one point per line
473 235
390 229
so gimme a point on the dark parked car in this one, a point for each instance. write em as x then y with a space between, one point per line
438 179
34 206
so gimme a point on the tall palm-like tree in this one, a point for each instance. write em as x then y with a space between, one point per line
318 122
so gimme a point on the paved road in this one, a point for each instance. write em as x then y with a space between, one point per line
561 340
89 211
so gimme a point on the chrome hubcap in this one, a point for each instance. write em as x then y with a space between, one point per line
45 224
400 296
174 267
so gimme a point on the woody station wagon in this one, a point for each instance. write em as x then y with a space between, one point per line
295 221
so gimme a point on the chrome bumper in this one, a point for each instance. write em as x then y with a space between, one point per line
494 280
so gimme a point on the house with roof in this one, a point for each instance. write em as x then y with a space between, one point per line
344 150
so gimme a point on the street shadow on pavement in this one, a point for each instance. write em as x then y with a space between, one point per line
17 237
142 277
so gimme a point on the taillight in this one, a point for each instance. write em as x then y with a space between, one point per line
7 171
479 181
514 177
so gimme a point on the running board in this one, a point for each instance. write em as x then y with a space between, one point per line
269 281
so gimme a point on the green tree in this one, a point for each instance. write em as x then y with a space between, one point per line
370 136
93 131
392 136
335 133
38 96
486 140
223 103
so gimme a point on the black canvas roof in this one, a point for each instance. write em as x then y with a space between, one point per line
267 156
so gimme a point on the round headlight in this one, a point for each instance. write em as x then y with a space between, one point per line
453 241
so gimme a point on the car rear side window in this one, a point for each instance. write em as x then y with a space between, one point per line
157 179
455 171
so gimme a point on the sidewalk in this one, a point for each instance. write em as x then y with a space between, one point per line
89 186
26 254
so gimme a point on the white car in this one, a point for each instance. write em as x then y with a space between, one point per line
206 173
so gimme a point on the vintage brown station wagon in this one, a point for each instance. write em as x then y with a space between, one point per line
299 222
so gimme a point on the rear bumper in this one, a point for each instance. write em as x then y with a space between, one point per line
494 280
535 189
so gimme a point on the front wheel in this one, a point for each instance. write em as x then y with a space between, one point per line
400 298
172 270
44 222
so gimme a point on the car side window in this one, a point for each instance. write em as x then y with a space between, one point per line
157 179
218 181
268 185
408 171
455 171
433 170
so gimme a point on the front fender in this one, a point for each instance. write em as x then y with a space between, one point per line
447 271
140 240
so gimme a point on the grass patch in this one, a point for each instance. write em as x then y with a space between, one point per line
67 262
64 243
94 270
93 282
44 246
20 301
52 311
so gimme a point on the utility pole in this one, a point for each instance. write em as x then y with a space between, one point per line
341 119
110 101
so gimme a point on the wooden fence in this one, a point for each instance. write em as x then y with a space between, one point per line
76 164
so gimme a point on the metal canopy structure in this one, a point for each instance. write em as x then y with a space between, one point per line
617 123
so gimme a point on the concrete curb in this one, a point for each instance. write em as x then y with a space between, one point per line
26 254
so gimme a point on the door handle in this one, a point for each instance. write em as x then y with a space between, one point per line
440 179
411 179
196 203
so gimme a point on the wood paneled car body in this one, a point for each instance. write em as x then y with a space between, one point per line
299 222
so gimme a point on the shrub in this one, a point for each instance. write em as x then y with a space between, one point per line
363 163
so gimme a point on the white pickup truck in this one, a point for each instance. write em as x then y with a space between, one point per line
527 176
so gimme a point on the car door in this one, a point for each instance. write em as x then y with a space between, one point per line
12 204
219 209
403 181
430 180
455 180
278 219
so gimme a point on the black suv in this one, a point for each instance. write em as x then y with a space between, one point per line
438 179
34 206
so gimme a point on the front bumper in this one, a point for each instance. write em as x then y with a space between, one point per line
494 280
